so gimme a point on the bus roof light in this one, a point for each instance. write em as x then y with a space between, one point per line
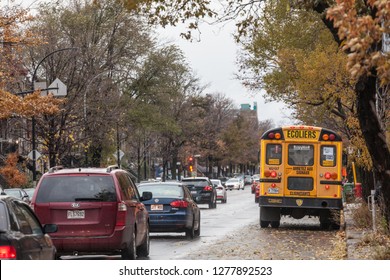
332 137
325 137
271 135
277 135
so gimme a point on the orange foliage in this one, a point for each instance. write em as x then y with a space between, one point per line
14 38
360 34
10 172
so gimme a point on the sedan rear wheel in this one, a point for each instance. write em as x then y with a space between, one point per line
197 231
190 232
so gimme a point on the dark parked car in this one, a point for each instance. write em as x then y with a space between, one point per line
97 210
172 208
202 190
18 193
22 236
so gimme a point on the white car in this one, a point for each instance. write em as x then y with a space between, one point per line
221 191
235 184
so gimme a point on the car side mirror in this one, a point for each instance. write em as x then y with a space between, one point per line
215 185
146 196
50 228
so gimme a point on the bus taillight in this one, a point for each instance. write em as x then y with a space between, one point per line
267 173
327 137
273 174
327 175
273 135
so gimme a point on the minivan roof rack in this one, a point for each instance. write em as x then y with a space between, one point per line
112 167
55 168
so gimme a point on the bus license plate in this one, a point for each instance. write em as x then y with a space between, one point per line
76 214
273 190
156 207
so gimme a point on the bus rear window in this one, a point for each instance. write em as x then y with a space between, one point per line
299 183
328 156
300 154
274 154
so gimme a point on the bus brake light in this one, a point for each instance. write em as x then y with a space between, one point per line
273 174
267 173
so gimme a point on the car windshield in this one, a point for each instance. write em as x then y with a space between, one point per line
76 188
171 191
217 182
13 192
30 192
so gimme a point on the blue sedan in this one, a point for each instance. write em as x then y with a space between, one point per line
172 208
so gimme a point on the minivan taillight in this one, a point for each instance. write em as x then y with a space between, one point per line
121 215
208 189
7 252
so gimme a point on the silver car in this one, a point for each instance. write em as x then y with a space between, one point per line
235 184
221 191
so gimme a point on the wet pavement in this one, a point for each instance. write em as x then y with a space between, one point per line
293 240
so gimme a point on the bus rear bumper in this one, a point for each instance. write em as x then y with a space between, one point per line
301 202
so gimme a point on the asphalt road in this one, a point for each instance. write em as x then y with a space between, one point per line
239 212
232 231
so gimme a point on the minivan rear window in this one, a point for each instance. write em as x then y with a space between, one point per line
76 188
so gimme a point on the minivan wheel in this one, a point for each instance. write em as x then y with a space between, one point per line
143 249
129 253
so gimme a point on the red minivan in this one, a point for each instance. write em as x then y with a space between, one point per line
97 211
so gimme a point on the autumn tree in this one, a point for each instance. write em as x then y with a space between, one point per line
358 26
162 116
14 38
11 173
110 47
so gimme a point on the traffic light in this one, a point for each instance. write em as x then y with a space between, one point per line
190 164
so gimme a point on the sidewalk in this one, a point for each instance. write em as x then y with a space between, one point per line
354 236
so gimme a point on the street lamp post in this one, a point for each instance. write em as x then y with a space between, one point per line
33 122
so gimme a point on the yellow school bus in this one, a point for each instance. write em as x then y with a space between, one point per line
300 175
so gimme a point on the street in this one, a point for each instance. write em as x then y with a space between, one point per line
232 231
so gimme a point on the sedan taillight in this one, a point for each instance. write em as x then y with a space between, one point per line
179 204
208 189
7 253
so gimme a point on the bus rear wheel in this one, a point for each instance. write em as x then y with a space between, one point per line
264 224
275 224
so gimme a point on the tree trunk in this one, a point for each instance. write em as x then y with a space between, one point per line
374 135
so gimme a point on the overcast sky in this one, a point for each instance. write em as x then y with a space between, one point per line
213 60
